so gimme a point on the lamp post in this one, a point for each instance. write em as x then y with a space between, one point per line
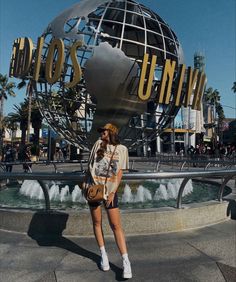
49 144
173 134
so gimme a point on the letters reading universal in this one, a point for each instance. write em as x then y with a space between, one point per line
23 58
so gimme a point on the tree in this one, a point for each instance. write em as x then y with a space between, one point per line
234 90
212 97
221 117
21 115
11 125
6 88
29 94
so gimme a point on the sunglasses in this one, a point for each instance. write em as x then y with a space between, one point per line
103 132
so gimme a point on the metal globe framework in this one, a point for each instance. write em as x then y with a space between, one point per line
108 29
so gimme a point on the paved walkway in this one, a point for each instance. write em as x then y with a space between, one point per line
207 254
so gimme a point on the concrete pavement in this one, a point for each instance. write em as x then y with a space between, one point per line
207 254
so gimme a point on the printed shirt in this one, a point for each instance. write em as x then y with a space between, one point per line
98 168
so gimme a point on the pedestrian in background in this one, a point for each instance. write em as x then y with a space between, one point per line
8 157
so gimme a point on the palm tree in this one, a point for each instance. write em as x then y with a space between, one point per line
21 115
221 117
234 87
234 90
212 97
29 94
6 88
220 112
11 125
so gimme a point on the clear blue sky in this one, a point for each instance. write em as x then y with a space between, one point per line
208 26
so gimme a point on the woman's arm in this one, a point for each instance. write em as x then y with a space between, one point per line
119 177
110 198
83 184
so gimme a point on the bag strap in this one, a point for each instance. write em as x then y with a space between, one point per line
109 165
92 154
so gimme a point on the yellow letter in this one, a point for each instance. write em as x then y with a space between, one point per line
21 57
178 90
147 95
77 69
37 62
168 73
57 44
196 105
192 78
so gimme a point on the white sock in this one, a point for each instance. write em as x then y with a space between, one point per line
103 250
125 257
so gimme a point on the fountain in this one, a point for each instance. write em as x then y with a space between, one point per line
147 206
165 191
141 194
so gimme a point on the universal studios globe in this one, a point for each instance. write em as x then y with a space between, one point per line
115 36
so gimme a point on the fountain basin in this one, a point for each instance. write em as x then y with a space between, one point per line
132 195
135 222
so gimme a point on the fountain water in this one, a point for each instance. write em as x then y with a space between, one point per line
77 195
32 189
54 193
147 191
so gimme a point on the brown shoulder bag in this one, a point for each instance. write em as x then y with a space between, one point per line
98 192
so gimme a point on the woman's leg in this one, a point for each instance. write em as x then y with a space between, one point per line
96 213
115 223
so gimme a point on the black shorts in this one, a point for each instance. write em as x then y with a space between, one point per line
115 203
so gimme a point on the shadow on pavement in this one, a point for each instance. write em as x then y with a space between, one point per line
231 209
46 229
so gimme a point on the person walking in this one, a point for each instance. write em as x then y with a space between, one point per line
108 159
26 157
9 156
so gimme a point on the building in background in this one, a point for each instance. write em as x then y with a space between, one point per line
188 129
193 121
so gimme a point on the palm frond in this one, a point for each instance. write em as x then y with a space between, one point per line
22 84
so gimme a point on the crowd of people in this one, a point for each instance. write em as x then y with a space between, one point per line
11 153
219 151
25 153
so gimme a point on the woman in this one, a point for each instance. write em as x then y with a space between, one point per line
27 158
105 149
8 157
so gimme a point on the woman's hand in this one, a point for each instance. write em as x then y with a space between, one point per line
110 199
82 185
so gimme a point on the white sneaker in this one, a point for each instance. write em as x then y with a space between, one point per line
127 273
104 264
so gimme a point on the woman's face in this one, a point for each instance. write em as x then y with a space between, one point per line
105 135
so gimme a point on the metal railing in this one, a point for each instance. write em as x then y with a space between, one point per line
226 175
81 163
172 161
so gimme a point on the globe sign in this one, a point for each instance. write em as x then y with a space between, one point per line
115 35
